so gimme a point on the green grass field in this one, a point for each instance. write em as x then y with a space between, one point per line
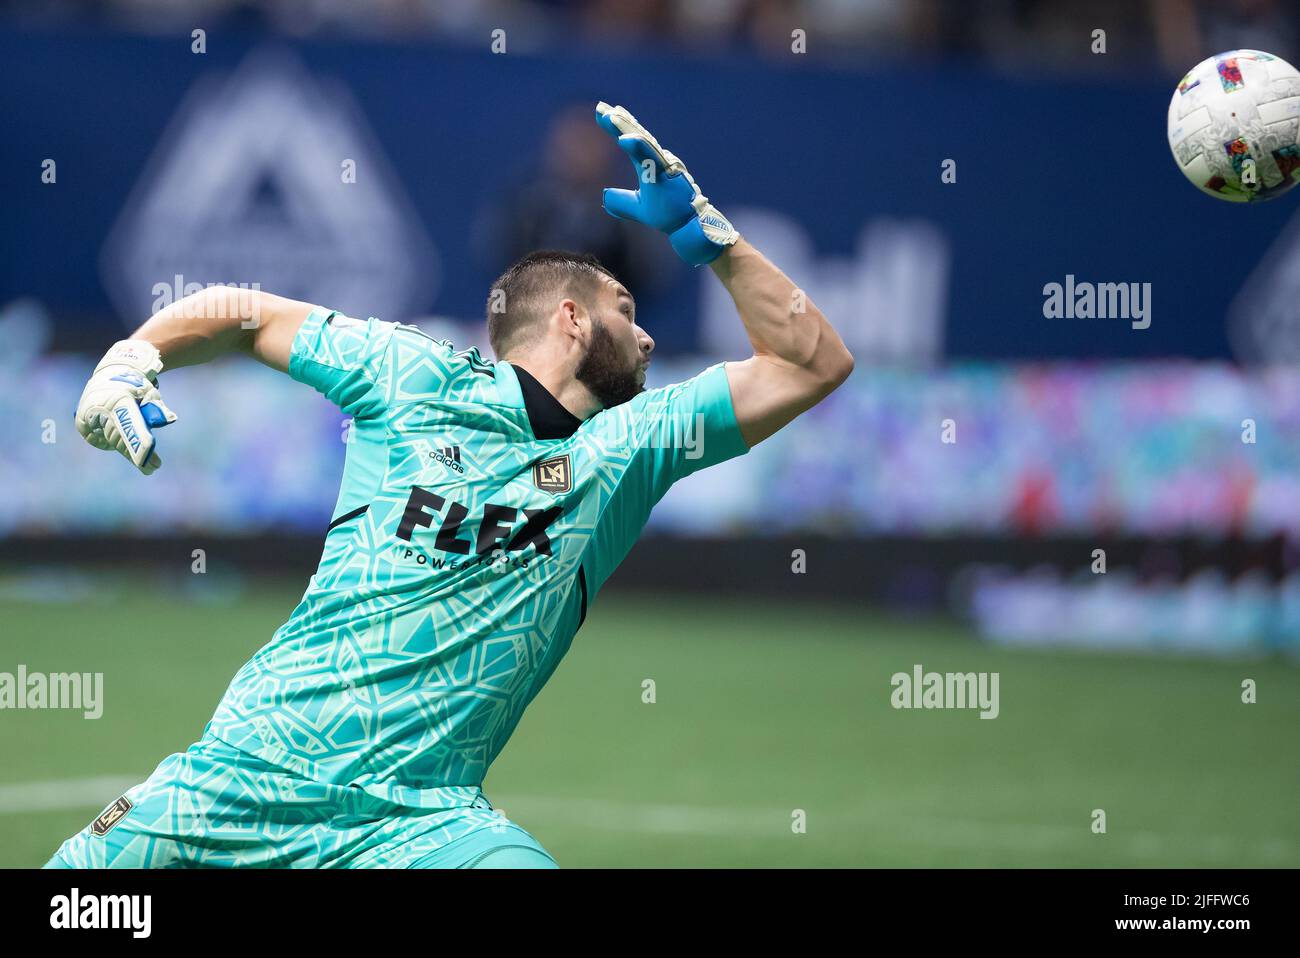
761 709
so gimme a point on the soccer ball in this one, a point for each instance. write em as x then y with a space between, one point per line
1234 126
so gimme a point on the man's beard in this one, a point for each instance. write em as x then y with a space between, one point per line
603 373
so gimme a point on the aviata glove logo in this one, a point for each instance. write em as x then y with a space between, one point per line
128 430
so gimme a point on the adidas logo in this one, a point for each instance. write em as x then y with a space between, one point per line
449 457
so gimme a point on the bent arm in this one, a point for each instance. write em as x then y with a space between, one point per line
220 320
798 358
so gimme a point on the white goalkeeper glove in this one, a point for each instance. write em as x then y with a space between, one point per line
120 406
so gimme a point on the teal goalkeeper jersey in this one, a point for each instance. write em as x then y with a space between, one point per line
462 557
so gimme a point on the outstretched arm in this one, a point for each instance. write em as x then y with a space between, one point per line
220 320
798 358
121 406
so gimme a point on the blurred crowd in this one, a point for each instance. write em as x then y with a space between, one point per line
1010 34
981 449
1148 449
1204 612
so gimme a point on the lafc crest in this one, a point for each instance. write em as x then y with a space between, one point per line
553 475
111 816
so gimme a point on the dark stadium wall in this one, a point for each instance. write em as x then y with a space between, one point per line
1005 229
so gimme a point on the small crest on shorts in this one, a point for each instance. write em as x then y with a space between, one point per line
553 475
111 816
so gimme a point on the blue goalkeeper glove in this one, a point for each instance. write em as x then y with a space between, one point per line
668 199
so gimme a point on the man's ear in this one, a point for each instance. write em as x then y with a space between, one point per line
574 320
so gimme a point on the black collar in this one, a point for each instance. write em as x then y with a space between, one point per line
549 419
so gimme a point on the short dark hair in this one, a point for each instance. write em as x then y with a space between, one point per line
526 292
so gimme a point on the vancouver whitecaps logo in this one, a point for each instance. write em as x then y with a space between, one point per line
249 185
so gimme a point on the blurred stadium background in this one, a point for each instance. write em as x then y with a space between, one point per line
1120 691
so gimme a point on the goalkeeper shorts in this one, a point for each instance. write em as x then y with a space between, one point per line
215 806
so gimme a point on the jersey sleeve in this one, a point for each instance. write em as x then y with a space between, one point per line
660 437
344 359
684 428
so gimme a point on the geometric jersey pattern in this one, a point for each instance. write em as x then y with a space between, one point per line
441 607
215 806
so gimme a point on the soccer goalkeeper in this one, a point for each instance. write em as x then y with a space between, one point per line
482 507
